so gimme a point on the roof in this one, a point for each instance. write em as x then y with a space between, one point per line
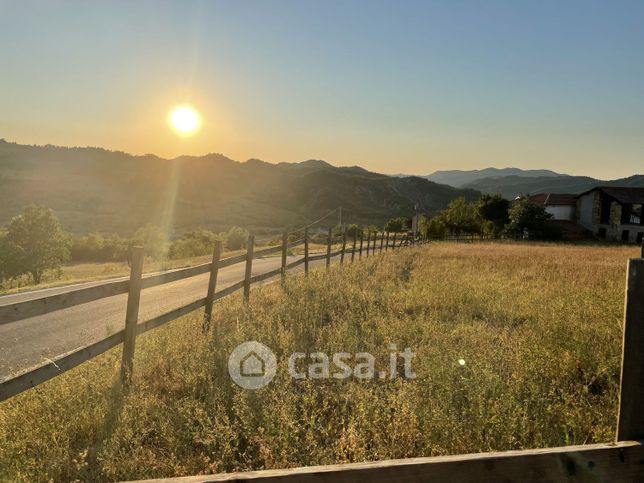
550 199
623 195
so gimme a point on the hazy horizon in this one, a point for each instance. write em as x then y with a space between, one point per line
331 162
406 88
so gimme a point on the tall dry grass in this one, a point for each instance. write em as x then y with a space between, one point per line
538 326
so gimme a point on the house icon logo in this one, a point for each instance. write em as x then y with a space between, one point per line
252 365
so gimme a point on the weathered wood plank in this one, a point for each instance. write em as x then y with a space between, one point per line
295 263
618 462
284 250
227 262
263 276
296 243
630 419
163 319
306 251
267 251
34 376
174 275
318 256
212 285
328 248
131 315
249 265
33 308
229 290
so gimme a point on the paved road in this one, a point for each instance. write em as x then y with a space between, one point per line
32 341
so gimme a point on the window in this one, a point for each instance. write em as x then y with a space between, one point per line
636 214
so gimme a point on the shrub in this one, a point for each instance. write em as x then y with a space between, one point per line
153 240
94 247
193 244
236 238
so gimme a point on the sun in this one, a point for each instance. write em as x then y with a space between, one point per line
184 119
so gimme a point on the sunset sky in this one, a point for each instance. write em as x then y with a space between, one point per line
393 86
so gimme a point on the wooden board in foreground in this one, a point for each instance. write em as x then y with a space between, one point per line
618 462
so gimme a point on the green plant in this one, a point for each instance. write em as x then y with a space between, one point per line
34 243
236 238
397 225
531 221
153 240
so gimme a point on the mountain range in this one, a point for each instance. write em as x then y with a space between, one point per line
459 178
93 189
512 182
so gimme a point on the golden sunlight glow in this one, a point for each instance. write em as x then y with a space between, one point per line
185 120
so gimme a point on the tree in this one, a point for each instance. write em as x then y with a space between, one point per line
433 227
34 243
461 216
353 231
94 247
494 209
529 220
396 225
236 238
195 243
152 239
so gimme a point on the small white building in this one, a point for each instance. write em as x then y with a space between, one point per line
562 207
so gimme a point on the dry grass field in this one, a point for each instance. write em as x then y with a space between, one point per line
538 327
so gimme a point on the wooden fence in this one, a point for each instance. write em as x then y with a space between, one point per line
622 460
619 461
137 282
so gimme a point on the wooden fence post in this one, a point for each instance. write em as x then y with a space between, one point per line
387 242
131 315
212 286
382 240
361 240
328 248
368 242
250 248
630 418
344 245
393 246
306 251
375 237
353 248
284 248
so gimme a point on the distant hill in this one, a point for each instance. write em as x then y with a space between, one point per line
512 186
92 189
458 178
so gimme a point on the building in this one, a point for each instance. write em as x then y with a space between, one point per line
562 207
416 222
612 213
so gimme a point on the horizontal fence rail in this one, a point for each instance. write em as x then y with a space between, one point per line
34 376
45 305
615 462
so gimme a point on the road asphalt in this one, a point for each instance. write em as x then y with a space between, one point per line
31 342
